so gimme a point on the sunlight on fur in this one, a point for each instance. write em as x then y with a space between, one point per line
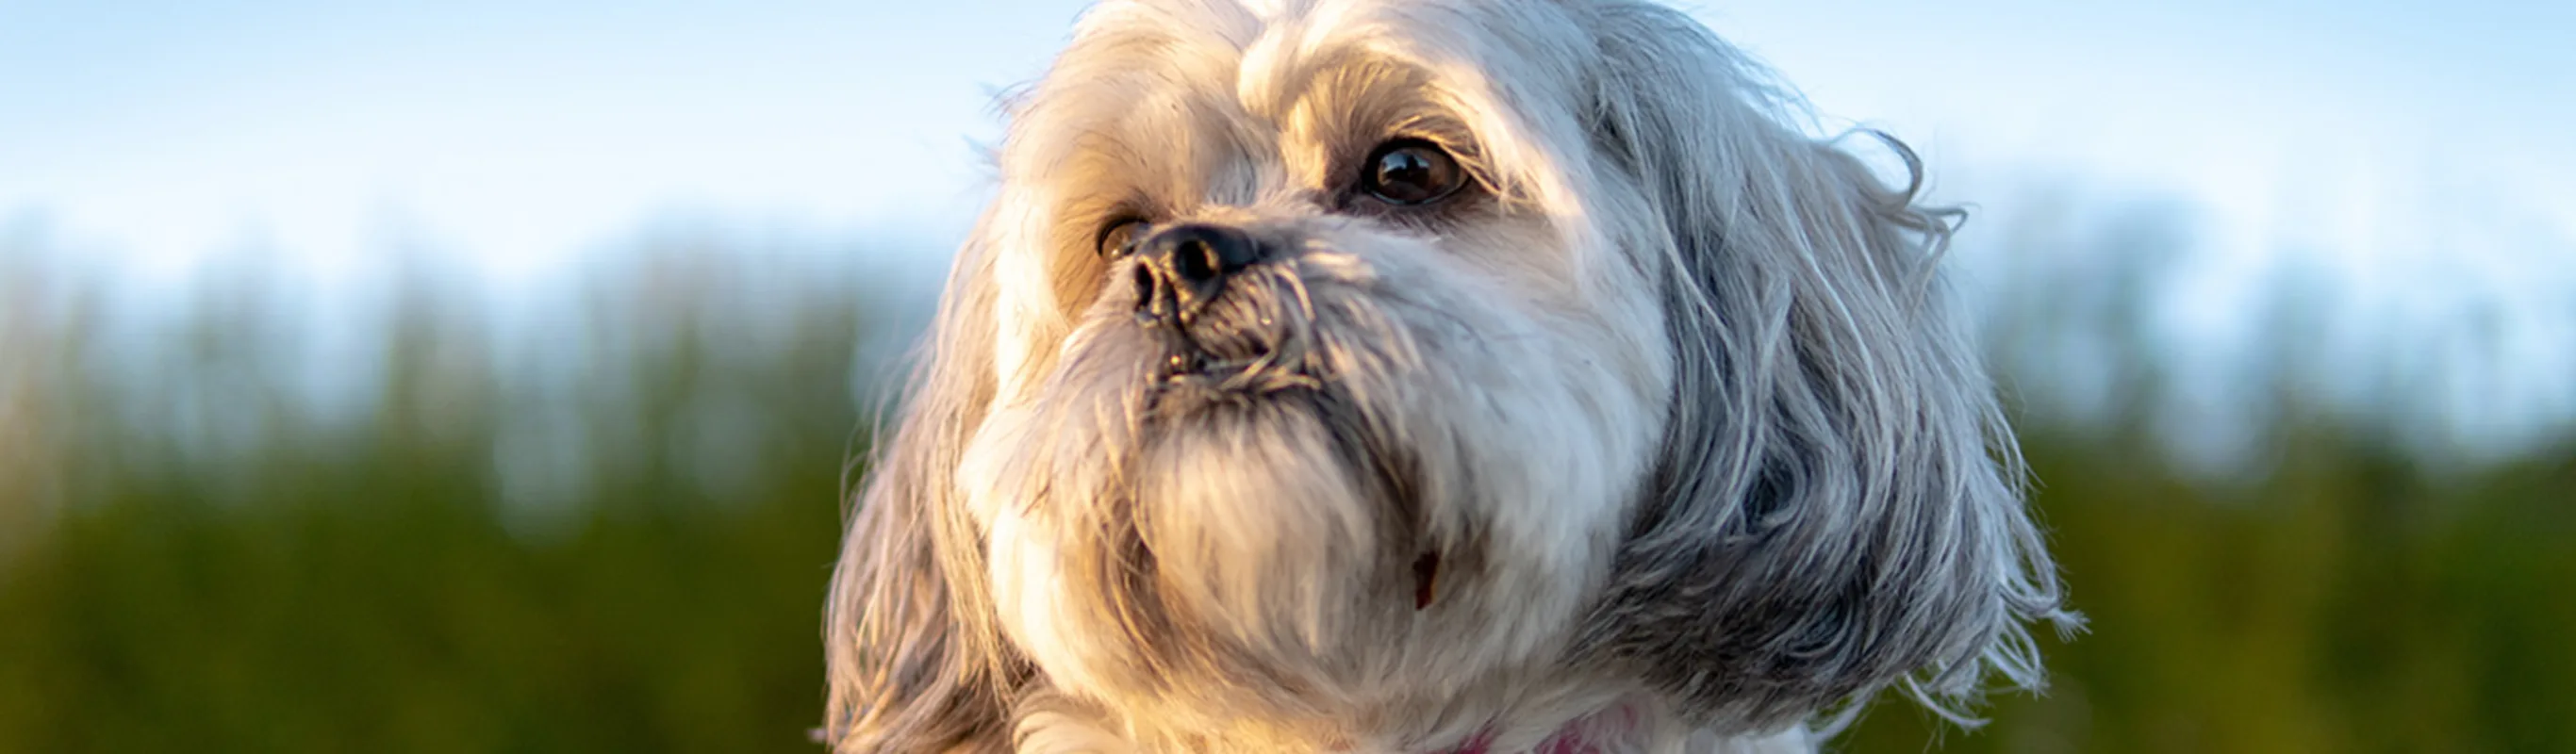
1429 377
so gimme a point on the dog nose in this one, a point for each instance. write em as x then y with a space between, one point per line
1181 267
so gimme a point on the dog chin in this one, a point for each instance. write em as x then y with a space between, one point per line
1518 357
1282 486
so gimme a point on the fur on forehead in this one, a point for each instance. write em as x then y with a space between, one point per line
1158 108
1835 489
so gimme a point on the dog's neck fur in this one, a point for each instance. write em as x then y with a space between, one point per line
1623 728
1666 394
1616 732
1789 742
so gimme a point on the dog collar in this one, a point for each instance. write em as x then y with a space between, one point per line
1568 740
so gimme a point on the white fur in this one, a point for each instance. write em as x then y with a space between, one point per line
1671 399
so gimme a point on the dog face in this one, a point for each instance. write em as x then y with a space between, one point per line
1368 373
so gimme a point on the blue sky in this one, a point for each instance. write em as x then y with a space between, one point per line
2412 159
2414 153
510 132
521 128
515 133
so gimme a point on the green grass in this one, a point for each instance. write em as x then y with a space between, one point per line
267 578
2349 602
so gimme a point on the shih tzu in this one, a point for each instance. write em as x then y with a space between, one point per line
1430 377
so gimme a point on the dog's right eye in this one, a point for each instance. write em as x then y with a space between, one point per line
1118 238
1411 172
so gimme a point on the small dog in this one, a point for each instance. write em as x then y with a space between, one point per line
1430 376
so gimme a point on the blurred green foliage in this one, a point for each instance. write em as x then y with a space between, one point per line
2350 600
614 535
276 580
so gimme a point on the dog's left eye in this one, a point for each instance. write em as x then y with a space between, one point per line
1411 171
1118 237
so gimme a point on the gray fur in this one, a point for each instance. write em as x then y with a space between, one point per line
1839 508
1675 404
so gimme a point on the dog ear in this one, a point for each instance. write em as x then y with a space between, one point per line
914 660
1839 507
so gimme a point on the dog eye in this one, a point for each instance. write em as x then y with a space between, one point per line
1118 238
1411 171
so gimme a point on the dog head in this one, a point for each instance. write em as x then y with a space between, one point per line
1357 370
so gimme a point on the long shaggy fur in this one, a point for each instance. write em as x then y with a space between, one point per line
1664 439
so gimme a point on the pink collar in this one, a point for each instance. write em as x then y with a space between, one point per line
1571 739
1561 744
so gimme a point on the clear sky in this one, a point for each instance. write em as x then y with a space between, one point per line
513 132
2418 152
517 131
521 129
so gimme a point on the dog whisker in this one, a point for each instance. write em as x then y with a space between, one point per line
1538 309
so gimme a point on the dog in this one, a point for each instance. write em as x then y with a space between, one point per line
1431 377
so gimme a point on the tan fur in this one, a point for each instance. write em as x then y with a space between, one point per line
1672 396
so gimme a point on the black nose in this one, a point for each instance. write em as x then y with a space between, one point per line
1180 268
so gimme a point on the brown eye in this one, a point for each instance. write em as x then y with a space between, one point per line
1118 238
1411 171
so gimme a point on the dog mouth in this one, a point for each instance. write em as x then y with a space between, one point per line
1426 579
1245 348
1256 373
1195 374
1218 355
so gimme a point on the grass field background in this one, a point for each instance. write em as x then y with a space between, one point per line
605 524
